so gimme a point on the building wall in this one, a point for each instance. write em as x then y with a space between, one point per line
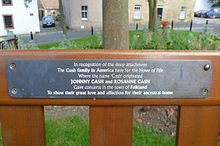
96 17
25 20
51 12
171 11
144 12
72 10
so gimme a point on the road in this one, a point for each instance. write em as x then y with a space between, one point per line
55 34
199 25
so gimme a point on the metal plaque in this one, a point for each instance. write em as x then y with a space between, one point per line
109 78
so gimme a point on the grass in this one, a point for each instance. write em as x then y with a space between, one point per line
88 42
49 45
74 131
70 131
146 137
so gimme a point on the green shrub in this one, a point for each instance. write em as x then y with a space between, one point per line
173 40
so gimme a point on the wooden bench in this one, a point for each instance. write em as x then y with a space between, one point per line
22 119
111 120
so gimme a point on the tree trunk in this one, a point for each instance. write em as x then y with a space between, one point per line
115 24
152 15
62 18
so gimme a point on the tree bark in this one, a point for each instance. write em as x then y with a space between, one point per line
152 15
115 24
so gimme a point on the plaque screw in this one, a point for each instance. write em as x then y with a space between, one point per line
12 66
14 91
206 67
205 91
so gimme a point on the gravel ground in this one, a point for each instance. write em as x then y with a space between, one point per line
162 119
63 111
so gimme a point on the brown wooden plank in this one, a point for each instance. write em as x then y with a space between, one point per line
111 126
198 126
22 125
6 56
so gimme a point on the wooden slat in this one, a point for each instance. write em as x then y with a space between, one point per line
22 125
6 56
111 126
198 126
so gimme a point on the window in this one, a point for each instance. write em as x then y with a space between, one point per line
84 12
160 12
137 12
6 2
8 21
182 13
